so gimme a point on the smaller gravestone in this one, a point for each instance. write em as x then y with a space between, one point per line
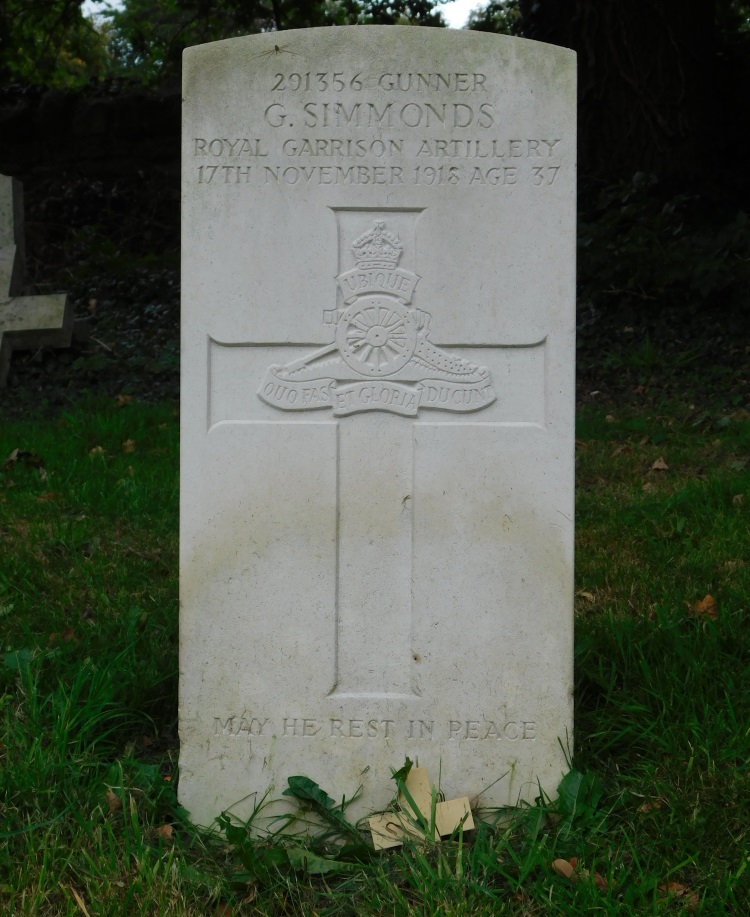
26 322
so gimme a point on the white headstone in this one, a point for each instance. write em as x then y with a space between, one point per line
377 414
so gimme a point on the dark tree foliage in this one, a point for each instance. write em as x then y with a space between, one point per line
658 80
49 41
500 16
147 37
394 12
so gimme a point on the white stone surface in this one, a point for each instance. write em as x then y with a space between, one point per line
377 414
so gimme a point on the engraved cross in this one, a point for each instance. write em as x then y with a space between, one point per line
381 368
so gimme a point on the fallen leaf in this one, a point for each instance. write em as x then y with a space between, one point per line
601 883
673 888
620 450
223 909
46 497
565 870
97 450
707 606
122 400
128 445
738 499
65 636
610 418
642 442
586 595
581 444
165 832
660 465
650 806
113 801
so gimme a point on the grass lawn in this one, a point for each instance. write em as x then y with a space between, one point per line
653 819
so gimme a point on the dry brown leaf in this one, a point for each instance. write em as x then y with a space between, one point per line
707 607
660 465
165 832
97 450
252 894
128 445
673 888
122 400
738 499
581 444
113 801
620 450
682 892
565 869
650 805
586 595
601 883
223 909
642 442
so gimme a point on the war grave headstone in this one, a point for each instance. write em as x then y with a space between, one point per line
377 415
26 322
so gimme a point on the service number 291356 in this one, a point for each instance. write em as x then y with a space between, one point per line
320 82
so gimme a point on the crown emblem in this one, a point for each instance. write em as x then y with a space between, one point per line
377 248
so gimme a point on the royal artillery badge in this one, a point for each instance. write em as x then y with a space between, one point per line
381 358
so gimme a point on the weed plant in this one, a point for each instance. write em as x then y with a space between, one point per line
653 817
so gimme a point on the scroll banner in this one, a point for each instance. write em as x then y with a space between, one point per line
359 282
377 395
